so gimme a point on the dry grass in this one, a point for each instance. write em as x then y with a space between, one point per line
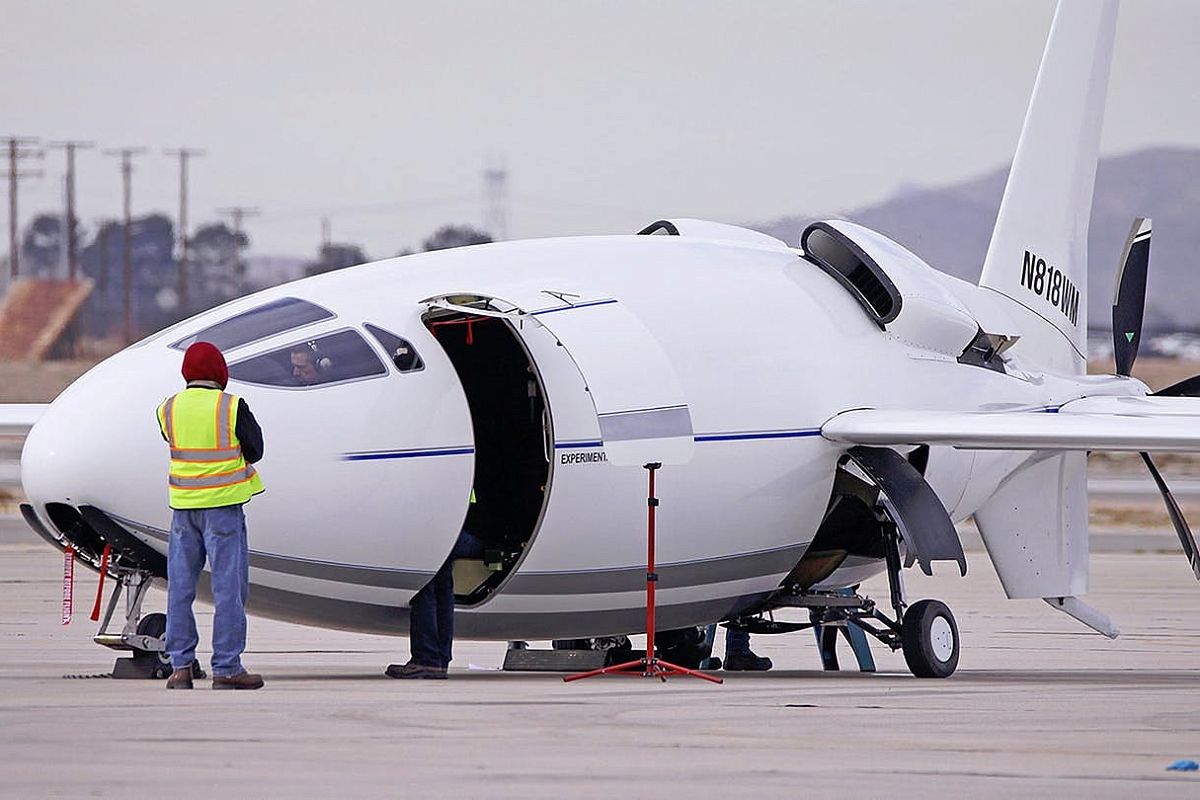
1157 373
1135 515
10 499
22 382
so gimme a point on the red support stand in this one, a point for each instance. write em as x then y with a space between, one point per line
649 665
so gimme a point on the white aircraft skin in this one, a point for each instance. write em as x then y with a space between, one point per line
368 480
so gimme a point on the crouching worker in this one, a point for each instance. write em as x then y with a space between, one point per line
214 439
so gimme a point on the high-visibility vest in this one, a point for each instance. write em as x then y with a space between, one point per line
207 466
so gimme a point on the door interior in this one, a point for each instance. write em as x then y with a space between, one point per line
511 427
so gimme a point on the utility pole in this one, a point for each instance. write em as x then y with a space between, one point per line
238 214
495 194
18 148
127 154
183 154
102 236
72 238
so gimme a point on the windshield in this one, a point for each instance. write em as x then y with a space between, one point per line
275 317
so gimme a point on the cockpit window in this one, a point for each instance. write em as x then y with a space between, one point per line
332 358
403 354
275 317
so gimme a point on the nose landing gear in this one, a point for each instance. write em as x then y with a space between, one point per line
144 637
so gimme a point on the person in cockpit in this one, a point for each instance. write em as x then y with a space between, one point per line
307 365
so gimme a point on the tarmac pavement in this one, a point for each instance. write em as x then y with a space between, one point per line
1040 707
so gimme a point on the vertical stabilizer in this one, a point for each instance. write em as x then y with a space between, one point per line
1038 252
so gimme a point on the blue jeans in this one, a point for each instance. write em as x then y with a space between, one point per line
431 610
736 642
219 533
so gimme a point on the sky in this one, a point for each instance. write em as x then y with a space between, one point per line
381 115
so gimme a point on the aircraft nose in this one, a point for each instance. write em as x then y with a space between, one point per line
98 443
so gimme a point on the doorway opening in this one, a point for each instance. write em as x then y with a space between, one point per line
511 425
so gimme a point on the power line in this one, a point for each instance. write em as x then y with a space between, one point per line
183 154
126 154
18 148
72 232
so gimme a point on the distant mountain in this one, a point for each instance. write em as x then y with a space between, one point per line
950 227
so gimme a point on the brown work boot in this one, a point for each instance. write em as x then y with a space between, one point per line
180 679
411 670
243 680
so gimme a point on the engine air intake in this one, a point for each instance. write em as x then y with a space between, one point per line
834 252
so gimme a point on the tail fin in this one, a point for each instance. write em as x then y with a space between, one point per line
1038 253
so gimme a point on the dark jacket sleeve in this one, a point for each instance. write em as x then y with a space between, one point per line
248 433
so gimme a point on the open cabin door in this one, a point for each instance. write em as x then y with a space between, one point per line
642 413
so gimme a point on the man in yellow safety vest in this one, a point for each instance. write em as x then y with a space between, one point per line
214 441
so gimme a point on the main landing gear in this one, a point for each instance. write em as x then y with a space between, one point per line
925 631
144 637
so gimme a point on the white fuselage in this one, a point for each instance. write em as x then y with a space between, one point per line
765 346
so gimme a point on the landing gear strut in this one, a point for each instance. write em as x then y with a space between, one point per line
145 637
925 631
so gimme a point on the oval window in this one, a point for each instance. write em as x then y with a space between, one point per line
400 351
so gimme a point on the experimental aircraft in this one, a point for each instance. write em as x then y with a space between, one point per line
823 413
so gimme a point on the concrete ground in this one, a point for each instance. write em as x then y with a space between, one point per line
1040 707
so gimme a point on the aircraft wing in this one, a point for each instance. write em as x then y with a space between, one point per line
17 418
1092 423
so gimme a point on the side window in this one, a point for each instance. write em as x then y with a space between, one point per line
275 317
403 354
332 358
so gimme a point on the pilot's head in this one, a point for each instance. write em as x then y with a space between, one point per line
304 366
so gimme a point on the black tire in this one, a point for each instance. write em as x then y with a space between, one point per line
573 644
154 626
930 638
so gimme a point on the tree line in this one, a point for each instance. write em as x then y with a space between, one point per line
216 267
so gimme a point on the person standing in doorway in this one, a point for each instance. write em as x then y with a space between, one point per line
214 441
431 616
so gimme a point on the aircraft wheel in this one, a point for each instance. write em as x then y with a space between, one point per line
154 626
930 638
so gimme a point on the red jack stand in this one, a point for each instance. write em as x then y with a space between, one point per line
648 666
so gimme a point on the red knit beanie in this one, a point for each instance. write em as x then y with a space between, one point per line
204 362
